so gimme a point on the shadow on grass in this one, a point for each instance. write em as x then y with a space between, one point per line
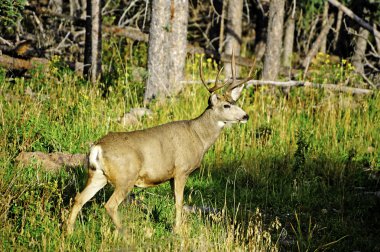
318 202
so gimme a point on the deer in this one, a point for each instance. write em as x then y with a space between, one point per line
168 152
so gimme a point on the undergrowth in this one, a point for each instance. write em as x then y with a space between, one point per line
300 175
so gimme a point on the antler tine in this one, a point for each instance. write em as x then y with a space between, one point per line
201 75
216 86
235 84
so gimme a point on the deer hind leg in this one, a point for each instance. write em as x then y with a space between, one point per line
113 203
96 181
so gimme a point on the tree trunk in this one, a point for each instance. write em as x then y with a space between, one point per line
360 48
167 48
337 28
221 31
233 32
288 42
93 41
325 20
177 43
274 40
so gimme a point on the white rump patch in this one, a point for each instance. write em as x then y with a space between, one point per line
95 155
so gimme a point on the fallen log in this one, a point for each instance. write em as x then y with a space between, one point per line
52 161
21 64
12 63
333 87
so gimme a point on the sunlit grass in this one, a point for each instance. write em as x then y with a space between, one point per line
299 159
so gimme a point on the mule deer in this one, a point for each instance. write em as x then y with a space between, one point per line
169 152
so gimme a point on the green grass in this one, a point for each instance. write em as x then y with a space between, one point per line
294 177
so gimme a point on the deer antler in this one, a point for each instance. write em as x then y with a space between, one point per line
235 83
218 85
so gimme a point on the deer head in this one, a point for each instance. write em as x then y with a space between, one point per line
224 105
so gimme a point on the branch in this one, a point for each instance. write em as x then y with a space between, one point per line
355 17
317 44
333 87
9 62
15 63
52 161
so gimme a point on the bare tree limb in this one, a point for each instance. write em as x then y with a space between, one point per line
337 28
6 42
355 17
316 45
333 87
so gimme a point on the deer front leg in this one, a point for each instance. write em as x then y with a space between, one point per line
179 186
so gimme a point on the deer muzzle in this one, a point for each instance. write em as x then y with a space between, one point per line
245 118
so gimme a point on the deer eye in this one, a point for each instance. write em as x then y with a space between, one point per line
227 106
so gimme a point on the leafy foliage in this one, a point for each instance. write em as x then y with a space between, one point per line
10 11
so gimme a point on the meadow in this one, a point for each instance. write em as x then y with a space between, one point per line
299 176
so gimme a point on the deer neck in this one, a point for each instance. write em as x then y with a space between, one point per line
207 128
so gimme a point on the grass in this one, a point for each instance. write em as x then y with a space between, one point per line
295 177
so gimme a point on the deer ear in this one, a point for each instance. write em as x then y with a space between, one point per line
213 99
236 92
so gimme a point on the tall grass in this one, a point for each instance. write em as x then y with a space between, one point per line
295 177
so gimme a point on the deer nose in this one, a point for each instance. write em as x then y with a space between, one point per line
246 117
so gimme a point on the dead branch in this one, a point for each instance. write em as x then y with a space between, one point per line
52 161
337 28
21 64
352 15
333 87
9 62
317 44
6 42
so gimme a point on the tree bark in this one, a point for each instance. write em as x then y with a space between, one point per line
288 42
93 41
325 19
177 43
167 48
157 53
233 32
222 22
360 48
274 40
